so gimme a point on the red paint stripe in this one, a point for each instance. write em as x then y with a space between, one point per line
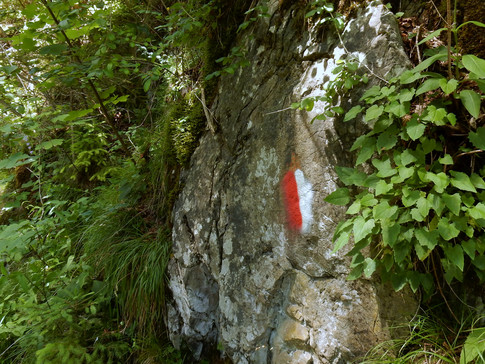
292 201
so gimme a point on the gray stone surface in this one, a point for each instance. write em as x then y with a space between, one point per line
239 277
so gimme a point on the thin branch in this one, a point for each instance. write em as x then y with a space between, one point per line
102 107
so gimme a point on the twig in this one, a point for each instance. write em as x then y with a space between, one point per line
441 291
208 115
449 21
470 152
102 107
277 111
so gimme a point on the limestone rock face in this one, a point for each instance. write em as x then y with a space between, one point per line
241 277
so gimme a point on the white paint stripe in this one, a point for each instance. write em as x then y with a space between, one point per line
305 193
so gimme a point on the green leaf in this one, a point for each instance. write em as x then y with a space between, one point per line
409 197
49 144
474 64
382 187
368 149
448 86
351 176
386 141
339 197
409 77
478 138
477 181
427 238
383 211
407 157
15 160
461 181
471 101
373 91
384 168
390 233
373 112
440 180
469 247
406 94
342 234
352 113
446 159
474 347
428 85
415 129
369 267
398 281
477 211
432 35
429 61
455 255
53 49
307 104
447 229
362 228
453 202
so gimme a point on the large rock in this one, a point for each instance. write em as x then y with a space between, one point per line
241 278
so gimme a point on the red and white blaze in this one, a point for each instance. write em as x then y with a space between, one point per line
298 195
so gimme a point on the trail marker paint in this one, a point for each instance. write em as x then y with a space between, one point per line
298 197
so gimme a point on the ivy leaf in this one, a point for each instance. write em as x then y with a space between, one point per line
446 159
474 64
307 104
351 176
409 77
455 255
407 157
478 138
362 228
415 129
53 49
427 238
384 168
453 202
478 211
471 101
477 181
383 211
352 113
386 141
339 197
440 180
461 181
390 233
369 267
368 149
447 229
373 112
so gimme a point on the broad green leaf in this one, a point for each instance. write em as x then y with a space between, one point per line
453 202
426 238
406 172
354 208
369 267
373 91
421 251
398 281
415 129
407 157
435 115
352 113
440 180
474 347
461 181
383 187
409 77
351 176
469 247
448 86
339 197
477 211
342 234
367 199
474 64
429 61
362 228
307 104
406 94
478 138
390 233
471 101
368 149
402 251
446 159
373 112
455 255
53 49
436 203
477 181
384 168
383 211
15 160
409 197
423 206
447 229
49 144
386 141
428 85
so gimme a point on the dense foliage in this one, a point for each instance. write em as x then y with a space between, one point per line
102 102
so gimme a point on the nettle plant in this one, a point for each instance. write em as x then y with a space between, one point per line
420 213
